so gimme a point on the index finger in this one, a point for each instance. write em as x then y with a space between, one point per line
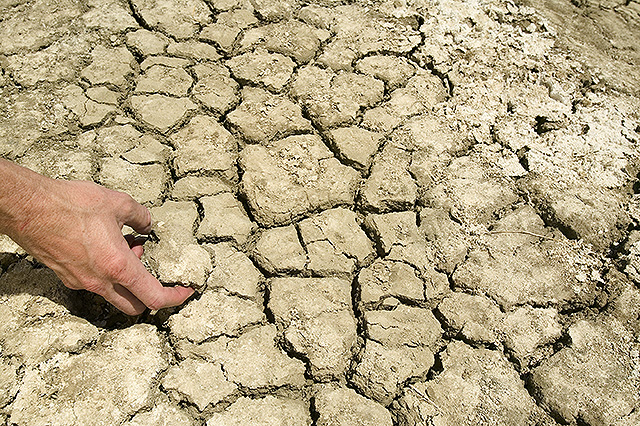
148 289
134 214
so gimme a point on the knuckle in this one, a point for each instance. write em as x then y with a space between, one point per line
94 286
72 284
125 201
118 198
115 267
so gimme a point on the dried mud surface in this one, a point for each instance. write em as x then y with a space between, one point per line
395 212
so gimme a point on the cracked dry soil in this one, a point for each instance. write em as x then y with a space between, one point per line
419 212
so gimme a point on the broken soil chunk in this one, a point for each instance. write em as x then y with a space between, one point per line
214 314
268 411
317 320
293 177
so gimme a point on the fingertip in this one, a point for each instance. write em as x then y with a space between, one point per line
136 244
149 290
176 295
147 221
188 291
138 251
136 216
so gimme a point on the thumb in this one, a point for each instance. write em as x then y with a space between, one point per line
134 215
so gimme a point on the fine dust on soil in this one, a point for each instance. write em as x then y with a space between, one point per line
395 212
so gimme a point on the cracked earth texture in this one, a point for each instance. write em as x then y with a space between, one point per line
403 212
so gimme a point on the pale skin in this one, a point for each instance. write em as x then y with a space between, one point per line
75 228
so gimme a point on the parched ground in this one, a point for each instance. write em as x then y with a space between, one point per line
395 212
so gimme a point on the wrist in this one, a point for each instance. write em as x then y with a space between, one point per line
22 193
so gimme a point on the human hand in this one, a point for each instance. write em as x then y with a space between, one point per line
75 228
